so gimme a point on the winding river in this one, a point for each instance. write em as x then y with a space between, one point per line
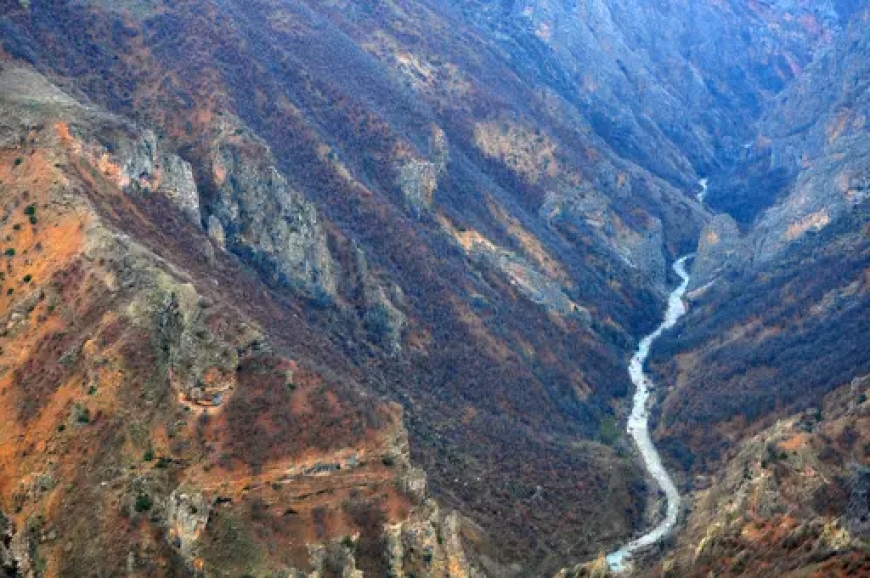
638 427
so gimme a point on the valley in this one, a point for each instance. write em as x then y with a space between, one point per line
345 289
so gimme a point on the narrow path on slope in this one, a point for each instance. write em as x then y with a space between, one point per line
638 427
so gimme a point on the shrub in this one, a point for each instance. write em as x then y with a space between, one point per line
10 252
82 414
18 161
27 278
30 210
148 456
143 503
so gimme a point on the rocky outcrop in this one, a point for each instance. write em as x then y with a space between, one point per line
641 244
643 249
718 247
533 284
187 515
384 320
145 167
8 563
428 544
523 276
17 548
418 178
129 156
199 357
782 501
255 212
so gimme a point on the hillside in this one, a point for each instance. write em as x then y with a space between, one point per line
763 405
778 312
149 424
791 502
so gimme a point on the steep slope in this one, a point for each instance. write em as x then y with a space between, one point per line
439 202
768 341
717 63
778 319
811 140
151 427
792 501
471 247
779 310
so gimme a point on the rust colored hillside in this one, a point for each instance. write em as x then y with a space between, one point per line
151 429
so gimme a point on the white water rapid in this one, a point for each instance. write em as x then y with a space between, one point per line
638 427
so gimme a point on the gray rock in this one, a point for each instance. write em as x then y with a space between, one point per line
8 563
382 317
635 63
186 517
216 231
262 216
418 178
818 133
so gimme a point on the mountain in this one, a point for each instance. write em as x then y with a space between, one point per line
779 309
151 423
767 374
274 265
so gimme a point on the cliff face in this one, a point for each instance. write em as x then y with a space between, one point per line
818 132
655 59
254 211
810 146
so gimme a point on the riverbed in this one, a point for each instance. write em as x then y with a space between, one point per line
638 428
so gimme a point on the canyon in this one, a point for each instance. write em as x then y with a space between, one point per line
303 288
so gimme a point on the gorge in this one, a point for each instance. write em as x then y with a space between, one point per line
355 289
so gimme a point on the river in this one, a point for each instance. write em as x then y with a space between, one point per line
638 428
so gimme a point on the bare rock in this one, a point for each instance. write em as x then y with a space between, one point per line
264 218
187 515
418 178
382 317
